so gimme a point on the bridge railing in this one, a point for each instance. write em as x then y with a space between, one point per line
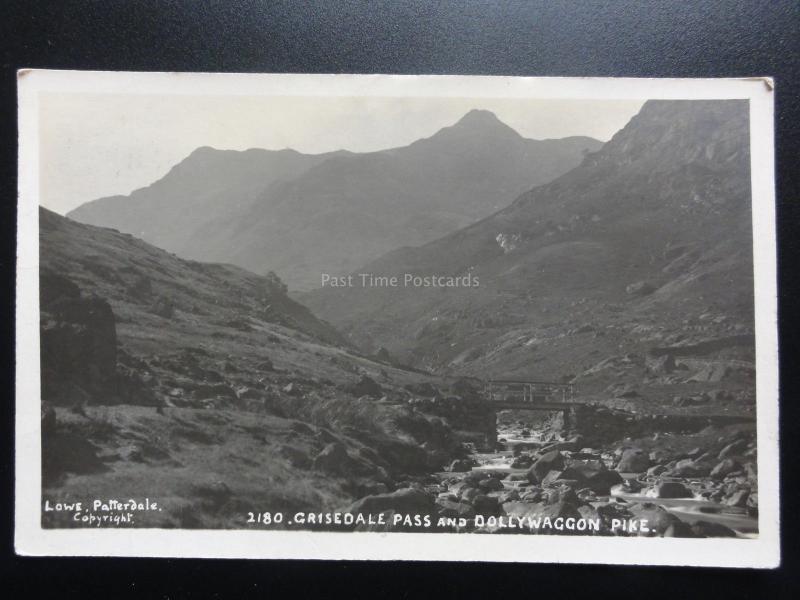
529 391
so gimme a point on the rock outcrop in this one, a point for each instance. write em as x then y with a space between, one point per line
78 344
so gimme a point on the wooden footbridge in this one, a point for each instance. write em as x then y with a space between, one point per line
520 394
530 395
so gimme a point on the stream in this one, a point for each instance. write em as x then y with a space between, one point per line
688 510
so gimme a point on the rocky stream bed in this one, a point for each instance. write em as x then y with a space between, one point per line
701 484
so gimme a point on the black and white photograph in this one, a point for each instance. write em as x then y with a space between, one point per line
450 312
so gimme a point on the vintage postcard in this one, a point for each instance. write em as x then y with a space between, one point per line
397 317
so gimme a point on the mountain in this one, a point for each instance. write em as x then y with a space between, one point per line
204 187
207 387
139 278
646 244
302 216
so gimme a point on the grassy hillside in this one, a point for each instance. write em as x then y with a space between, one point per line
206 386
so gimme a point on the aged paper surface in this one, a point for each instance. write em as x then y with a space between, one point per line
397 317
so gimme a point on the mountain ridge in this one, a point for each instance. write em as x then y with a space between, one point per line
302 215
655 226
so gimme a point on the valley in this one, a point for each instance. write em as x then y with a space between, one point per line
623 270
610 302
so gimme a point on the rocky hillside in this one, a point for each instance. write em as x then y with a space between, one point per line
208 387
301 216
643 249
160 288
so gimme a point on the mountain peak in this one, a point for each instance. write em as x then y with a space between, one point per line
484 121
479 116
478 124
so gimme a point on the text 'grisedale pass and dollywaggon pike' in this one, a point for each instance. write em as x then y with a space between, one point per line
397 320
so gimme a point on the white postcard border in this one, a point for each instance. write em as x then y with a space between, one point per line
32 539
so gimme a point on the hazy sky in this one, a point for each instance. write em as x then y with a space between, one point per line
95 145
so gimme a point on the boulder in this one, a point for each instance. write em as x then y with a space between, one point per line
689 468
724 467
78 346
558 510
272 284
490 484
659 520
592 474
671 489
633 460
610 511
518 449
679 529
450 509
738 498
486 505
561 493
552 461
733 449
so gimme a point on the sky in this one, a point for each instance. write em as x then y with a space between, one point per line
96 145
